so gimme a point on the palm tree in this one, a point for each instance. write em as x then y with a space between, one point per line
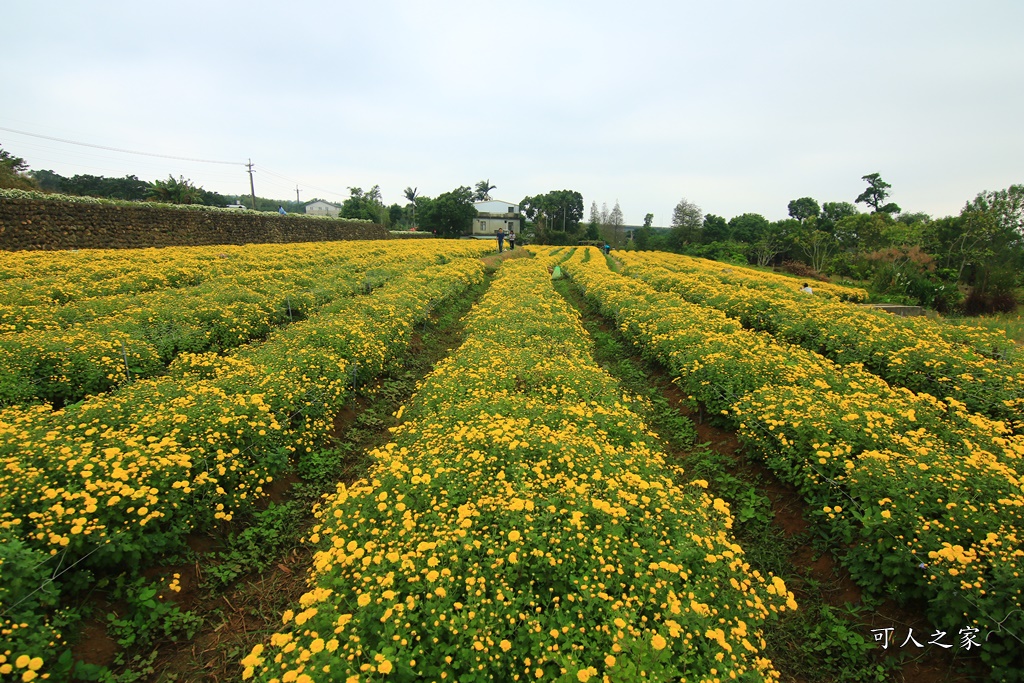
483 190
171 191
411 193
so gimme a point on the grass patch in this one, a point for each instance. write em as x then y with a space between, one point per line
1011 323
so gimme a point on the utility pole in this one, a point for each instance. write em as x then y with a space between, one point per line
252 186
297 200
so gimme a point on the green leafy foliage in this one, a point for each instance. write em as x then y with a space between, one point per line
450 214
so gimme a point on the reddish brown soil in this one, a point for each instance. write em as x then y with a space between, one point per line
95 646
494 260
236 621
836 585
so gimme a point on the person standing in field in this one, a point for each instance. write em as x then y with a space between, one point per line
501 239
511 239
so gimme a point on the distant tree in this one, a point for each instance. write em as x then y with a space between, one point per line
171 191
483 190
1007 206
687 221
914 218
804 208
643 237
450 214
748 227
12 171
817 246
411 193
12 163
648 220
863 231
48 181
216 199
833 212
765 249
594 223
364 205
985 243
714 229
557 211
876 193
615 222
129 187
396 215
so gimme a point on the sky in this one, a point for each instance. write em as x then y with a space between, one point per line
737 106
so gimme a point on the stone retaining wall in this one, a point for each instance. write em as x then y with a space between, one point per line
38 224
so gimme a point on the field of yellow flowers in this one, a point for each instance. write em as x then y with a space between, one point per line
976 366
924 497
90 329
123 476
522 525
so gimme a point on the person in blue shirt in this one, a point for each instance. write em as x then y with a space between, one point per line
281 210
501 239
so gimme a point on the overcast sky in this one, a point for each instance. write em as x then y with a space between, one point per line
738 106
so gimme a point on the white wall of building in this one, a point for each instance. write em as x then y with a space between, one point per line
320 208
496 206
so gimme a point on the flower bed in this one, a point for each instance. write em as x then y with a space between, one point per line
121 478
922 355
523 525
924 497
66 352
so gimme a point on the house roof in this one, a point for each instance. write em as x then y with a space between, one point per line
498 201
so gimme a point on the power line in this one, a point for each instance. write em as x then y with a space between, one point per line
299 182
251 168
116 149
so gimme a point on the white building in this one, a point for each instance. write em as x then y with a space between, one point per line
494 214
322 208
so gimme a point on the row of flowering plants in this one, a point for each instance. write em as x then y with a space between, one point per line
523 525
120 478
39 289
923 497
93 344
992 343
32 282
905 352
766 282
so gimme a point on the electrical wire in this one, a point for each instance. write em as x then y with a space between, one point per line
302 184
256 169
117 149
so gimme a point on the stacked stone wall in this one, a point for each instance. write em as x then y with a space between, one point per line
42 224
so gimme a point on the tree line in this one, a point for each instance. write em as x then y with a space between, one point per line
970 262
